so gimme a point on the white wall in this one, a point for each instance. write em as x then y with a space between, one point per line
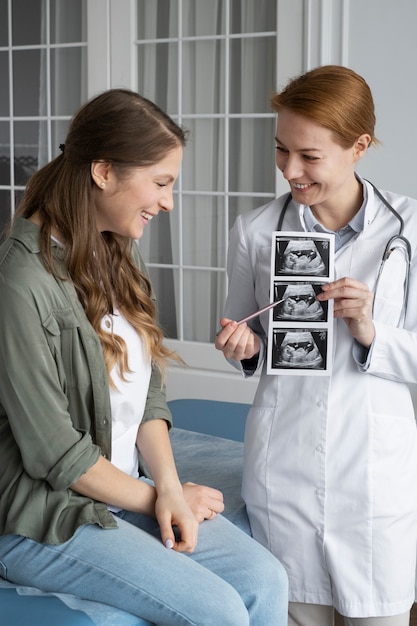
382 46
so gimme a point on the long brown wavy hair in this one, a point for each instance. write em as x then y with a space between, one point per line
122 128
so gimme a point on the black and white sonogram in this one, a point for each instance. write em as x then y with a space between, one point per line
300 302
299 349
302 256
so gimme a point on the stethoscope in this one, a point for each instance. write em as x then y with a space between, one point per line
388 248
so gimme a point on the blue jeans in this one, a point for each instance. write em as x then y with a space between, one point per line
229 580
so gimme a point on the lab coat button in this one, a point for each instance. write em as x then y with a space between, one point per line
320 404
319 449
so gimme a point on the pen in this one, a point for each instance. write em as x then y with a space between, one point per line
265 308
252 315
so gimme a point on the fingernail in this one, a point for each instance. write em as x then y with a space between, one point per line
169 544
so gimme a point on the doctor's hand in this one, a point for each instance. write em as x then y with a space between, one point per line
237 341
353 302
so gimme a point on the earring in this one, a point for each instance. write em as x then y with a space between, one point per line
102 184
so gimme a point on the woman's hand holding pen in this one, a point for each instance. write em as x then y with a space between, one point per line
352 302
237 341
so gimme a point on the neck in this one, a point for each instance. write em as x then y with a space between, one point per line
341 210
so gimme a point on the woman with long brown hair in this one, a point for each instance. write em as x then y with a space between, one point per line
82 399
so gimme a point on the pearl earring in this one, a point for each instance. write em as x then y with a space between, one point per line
101 184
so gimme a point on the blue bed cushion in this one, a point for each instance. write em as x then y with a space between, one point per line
216 462
211 417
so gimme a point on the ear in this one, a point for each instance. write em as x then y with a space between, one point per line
361 145
100 173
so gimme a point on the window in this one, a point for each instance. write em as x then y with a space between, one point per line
43 78
200 62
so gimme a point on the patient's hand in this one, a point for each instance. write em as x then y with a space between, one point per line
204 502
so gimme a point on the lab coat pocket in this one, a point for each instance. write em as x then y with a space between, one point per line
393 466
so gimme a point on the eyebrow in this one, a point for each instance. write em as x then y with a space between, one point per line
301 149
168 177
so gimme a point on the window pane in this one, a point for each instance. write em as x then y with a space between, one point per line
4 82
27 22
203 18
247 16
163 282
67 69
203 83
203 163
157 19
26 138
238 205
156 242
27 91
251 89
4 170
4 153
59 131
253 141
4 12
157 74
68 20
5 210
204 231
201 313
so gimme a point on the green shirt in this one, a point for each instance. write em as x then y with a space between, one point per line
55 417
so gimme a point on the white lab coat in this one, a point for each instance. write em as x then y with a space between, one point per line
330 473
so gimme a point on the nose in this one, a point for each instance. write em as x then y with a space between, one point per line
166 202
291 167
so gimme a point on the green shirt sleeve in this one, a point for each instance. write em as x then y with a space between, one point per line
33 395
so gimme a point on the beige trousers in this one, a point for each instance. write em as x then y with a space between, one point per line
319 615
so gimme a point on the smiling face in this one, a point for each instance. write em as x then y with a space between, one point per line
125 205
320 172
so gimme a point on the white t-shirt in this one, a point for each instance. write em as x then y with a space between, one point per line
129 398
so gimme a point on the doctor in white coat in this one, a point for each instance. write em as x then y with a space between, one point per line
330 476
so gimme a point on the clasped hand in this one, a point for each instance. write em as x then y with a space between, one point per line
186 511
